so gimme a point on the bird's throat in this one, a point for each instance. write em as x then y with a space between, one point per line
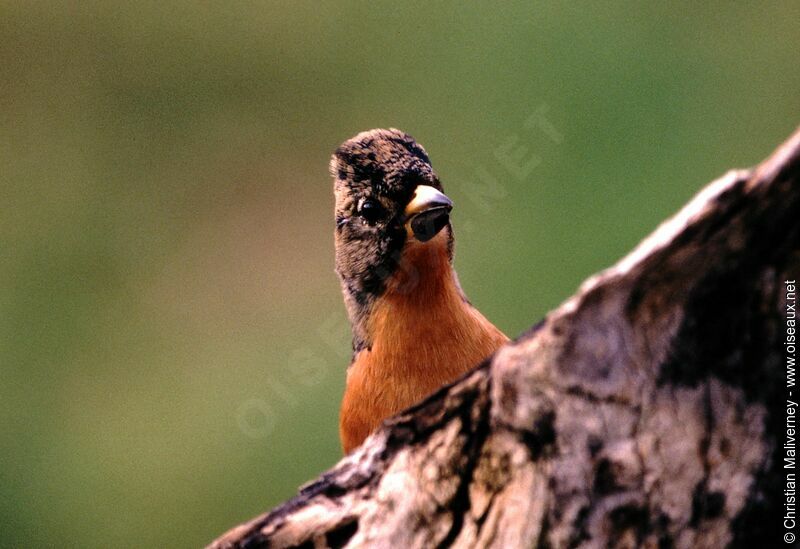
423 326
423 334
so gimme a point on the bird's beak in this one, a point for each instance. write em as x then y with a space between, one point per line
427 213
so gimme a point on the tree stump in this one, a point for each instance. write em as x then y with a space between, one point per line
650 409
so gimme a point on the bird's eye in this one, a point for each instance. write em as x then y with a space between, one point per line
370 210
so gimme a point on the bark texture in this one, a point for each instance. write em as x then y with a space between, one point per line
647 410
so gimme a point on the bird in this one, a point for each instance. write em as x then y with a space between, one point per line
413 328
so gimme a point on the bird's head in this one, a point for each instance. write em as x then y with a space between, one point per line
388 201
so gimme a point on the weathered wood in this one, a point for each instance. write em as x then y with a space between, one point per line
647 410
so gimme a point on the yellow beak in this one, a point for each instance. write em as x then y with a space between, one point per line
427 213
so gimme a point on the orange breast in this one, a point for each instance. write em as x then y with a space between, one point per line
423 335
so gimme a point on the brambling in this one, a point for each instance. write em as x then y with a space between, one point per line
413 328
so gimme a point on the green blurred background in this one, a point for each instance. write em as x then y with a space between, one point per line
172 339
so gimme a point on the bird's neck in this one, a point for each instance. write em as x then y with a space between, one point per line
421 297
423 331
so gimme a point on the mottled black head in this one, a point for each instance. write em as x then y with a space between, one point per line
386 193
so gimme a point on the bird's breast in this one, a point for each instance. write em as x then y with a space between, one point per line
423 335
